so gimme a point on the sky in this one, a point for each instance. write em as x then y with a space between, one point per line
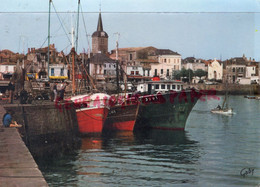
205 29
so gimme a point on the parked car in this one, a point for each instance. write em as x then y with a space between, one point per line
210 83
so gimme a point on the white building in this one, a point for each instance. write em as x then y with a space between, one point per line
250 71
168 61
195 66
135 70
102 67
58 71
215 70
6 69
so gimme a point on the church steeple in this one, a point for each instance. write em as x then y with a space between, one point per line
100 25
99 38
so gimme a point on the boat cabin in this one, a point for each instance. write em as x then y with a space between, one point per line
152 87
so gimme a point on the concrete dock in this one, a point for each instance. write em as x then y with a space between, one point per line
17 166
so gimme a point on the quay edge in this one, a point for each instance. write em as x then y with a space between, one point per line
48 129
17 166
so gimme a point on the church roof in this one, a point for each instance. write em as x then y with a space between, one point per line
100 32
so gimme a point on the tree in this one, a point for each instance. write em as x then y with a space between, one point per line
176 74
184 75
200 73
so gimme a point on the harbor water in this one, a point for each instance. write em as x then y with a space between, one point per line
214 150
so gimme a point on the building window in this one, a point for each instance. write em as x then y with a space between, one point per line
52 71
163 86
105 72
178 87
130 56
62 72
173 87
234 69
157 86
132 72
105 65
155 72
161 71
137 72
168 72
148 73
168 87
165 60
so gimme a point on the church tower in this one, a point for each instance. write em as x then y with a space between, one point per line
99 39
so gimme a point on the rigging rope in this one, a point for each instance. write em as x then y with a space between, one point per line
61 23
85 28
44 42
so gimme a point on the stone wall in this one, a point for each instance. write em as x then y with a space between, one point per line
232 88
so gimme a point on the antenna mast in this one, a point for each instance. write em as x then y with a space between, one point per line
77 36
117 69
49 30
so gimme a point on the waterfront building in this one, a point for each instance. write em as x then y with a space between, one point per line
168 61
136 62
194 64
102 68
236 69
58 71
7 56
215 70
6 70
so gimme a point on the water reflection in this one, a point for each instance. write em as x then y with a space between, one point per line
137 158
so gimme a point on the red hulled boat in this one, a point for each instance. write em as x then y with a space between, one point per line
92 111
123 115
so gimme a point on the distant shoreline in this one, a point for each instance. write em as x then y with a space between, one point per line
233 89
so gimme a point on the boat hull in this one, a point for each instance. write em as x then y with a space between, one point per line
122 117
91 120
168 111
224 112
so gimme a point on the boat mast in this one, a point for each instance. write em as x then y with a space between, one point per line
49 31
226 94
73 69
117 69
77 36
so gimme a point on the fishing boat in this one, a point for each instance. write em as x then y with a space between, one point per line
123 112
91 111
225 111
122 116
224 108
166 105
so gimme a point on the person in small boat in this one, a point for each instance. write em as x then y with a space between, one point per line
219 107
8 121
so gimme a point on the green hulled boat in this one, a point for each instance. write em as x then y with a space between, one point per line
168 110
